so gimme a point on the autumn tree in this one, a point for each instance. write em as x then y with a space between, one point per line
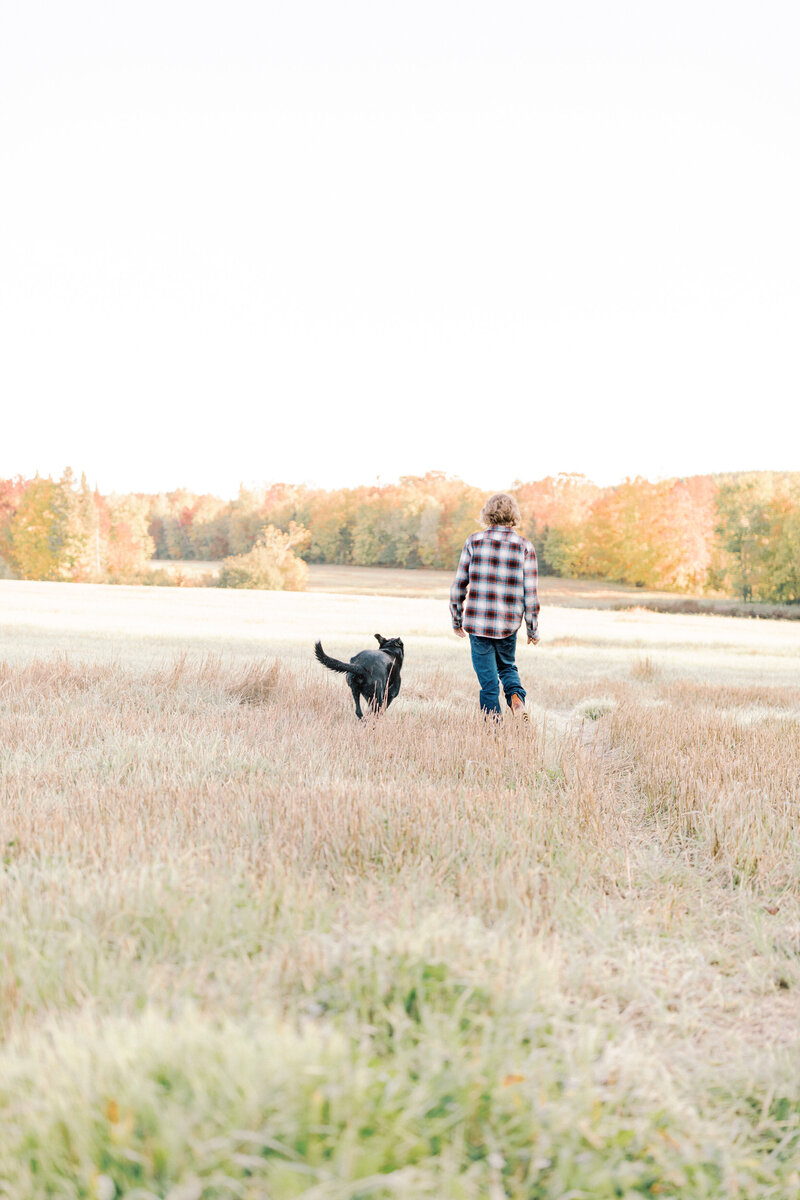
208 529
246 521
330 517
555 511
381 531
129 544
11 492
32 548
743 529
50 531
781 562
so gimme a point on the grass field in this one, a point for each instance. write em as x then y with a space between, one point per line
252 948
433 584
430 584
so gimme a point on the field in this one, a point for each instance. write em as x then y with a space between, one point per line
253 948
396 581
569 593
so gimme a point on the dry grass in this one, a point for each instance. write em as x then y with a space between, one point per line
256 683
644 668
251 947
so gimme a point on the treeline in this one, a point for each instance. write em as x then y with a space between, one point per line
62 529
736 535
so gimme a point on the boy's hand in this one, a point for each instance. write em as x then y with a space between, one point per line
459 633
533 641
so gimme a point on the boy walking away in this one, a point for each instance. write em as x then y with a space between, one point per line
497 574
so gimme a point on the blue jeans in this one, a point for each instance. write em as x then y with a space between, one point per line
493 660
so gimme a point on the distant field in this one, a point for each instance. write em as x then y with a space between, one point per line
254 949
395 581
190 567
388 581
570 593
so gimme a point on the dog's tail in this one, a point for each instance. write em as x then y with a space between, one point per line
333 664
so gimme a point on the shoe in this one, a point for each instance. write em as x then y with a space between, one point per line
518 707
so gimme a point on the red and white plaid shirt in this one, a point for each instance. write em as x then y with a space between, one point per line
498 575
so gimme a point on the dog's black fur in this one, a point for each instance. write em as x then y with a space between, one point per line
371 674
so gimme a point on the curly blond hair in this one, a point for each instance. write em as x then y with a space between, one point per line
500 509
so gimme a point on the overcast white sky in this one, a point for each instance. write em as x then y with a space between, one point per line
329 240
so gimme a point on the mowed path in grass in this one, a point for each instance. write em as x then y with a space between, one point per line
252 947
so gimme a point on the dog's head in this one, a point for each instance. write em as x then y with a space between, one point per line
392 646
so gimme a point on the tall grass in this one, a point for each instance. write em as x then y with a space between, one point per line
253 947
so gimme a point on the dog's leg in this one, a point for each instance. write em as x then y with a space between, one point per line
356 696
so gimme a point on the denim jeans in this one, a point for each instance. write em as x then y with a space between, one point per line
493 660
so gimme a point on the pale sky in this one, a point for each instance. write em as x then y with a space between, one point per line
329 241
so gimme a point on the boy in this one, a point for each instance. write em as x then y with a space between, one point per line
498 575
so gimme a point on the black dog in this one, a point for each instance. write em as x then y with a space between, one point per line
373 674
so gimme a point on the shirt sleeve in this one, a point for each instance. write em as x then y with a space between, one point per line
531 582
459 589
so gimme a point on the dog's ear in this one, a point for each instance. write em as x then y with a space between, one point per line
380 639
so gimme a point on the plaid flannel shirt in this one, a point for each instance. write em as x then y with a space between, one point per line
498 575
